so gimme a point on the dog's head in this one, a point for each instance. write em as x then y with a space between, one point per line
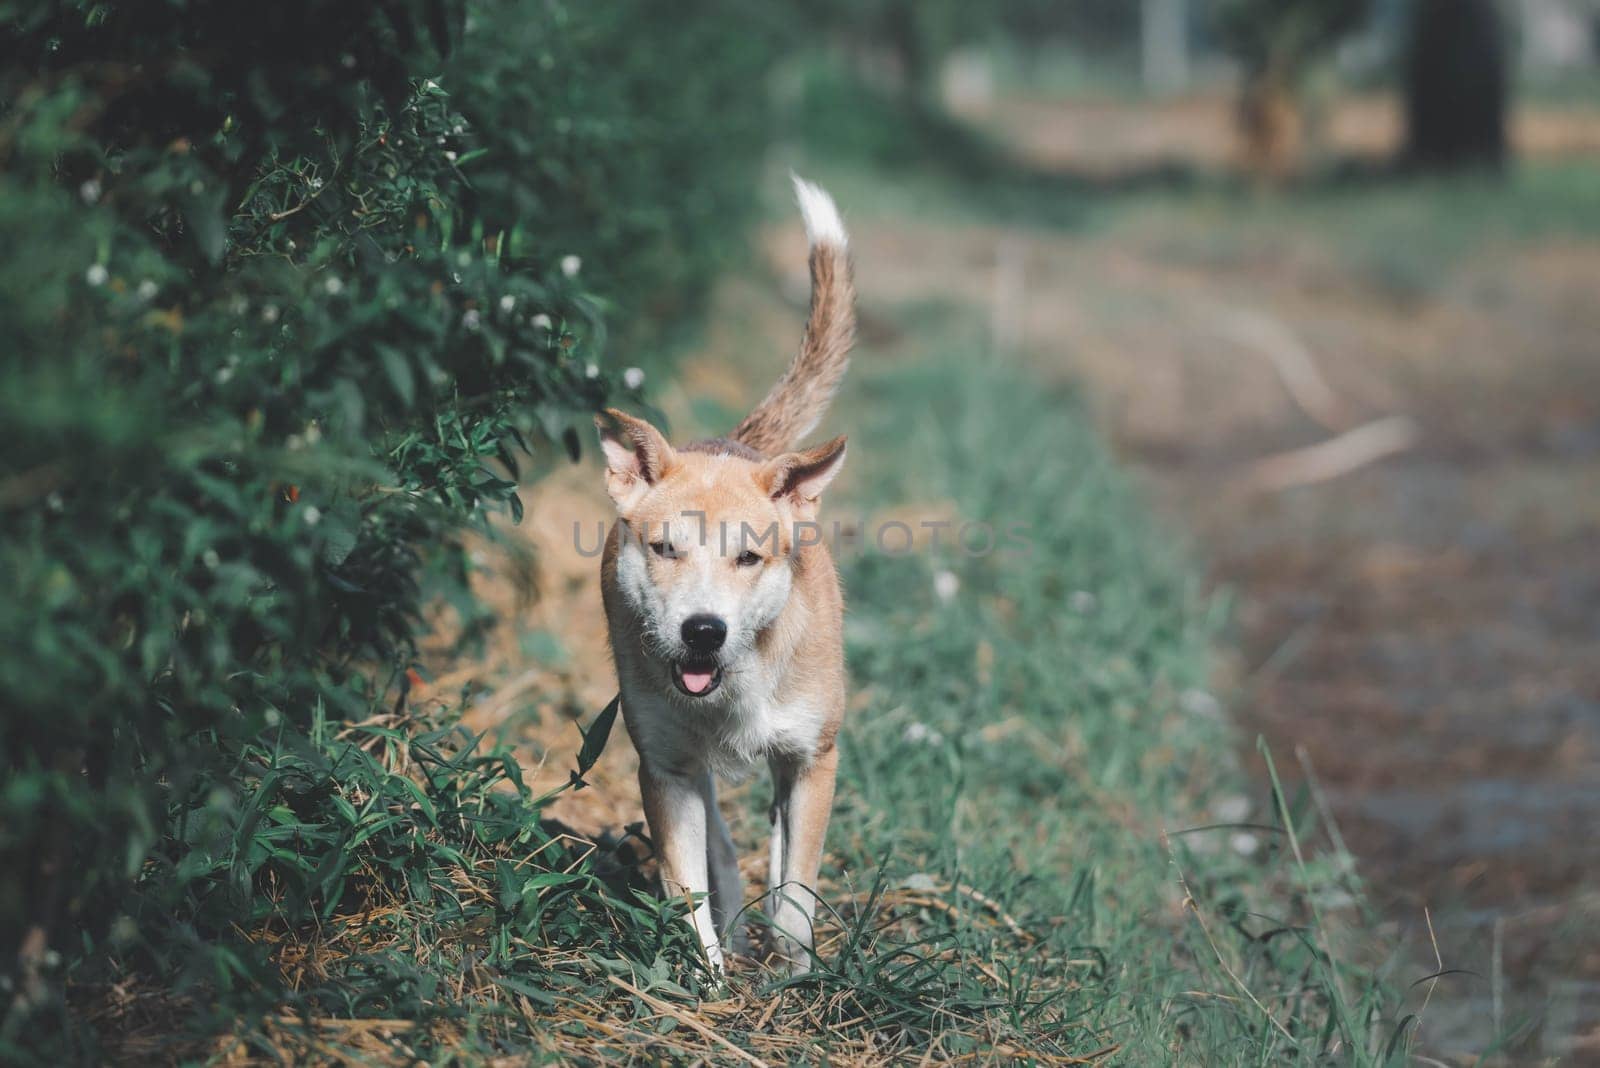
710 539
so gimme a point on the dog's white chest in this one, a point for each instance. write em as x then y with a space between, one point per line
759 729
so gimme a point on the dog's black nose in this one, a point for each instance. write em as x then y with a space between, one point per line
704 634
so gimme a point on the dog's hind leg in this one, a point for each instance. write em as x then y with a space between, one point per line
722 862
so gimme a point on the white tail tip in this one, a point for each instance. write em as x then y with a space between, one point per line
823 225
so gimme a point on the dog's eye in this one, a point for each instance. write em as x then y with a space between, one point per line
662 548
748 558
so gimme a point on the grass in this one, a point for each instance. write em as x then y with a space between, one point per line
1035 735
1042 850
1407 236
1024 862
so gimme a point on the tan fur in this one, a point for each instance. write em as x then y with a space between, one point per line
798 399
779 693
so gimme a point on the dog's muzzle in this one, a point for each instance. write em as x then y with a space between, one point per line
695 678
699 674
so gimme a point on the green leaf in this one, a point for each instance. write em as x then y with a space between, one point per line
401 377
203 214
419 796
542 998
595 738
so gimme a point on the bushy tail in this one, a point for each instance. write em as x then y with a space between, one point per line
799 399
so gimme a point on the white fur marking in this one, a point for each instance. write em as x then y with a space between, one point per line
823 224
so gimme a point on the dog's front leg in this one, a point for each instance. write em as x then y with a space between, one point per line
803 800
675 808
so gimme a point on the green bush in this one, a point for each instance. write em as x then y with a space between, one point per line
1278 38
289 301
647 164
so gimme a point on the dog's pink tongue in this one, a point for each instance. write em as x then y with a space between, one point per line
697 681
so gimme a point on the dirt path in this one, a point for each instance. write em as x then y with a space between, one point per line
1424 630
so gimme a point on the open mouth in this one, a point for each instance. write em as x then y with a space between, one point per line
696 679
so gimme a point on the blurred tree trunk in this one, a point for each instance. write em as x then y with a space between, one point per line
1164 44
1456 85
908 39
1270 122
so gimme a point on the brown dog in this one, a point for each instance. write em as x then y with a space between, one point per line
725 617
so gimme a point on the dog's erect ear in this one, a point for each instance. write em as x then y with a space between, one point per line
800 477
636 456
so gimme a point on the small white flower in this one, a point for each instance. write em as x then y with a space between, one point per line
1244 843
571 265
347 61
591 370
456 275
272 717
54 502
430 84
97 275
633 378
90 191
507 302
224 375
946 585
919 732
542 321
316 183
458 129
211 559
1199 703
123 930
333 284
471 320
269 313
146 290
1231 809
450 155
1083 602
1336 899
313 516
313 432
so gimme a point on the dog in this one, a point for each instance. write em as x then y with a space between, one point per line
725 617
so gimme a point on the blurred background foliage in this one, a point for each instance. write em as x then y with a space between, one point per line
290 301
293 300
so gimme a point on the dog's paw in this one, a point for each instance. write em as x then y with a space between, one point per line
715 961
791 957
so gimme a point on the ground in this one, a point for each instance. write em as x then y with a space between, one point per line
1422 629
1416 634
